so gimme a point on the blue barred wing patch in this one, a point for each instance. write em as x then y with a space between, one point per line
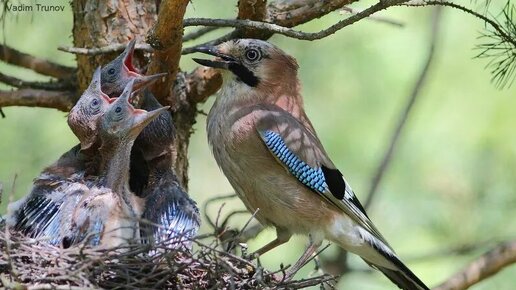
313 178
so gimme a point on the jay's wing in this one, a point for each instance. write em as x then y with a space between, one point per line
299 150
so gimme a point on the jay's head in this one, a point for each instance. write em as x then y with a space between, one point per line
121 70
254 63
84 116
122 121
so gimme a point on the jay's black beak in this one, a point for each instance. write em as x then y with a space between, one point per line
222 61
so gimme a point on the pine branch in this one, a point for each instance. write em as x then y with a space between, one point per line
501 48
61 100
502 45
277 29
39 65
52 86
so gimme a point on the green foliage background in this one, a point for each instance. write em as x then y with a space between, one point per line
452 180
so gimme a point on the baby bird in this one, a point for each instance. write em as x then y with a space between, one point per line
40 213
268 149
118 72
169 212
171 215
107 215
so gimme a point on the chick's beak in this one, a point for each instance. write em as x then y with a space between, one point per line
222 61
143 118
127 59
144 81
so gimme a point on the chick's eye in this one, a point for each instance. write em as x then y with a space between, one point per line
118 110
253 55
111 71
95 102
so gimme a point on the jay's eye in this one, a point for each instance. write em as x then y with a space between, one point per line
253 55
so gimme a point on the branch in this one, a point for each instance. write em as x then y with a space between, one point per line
484 267
293 13
224 38
274 28
166 39
382 167
282 13
61 100
105 49
351 10
53 86
198 33
139 46
202 83
305 283
499 29
501 46
252 10
39 65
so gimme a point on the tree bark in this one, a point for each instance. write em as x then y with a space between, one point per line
98 23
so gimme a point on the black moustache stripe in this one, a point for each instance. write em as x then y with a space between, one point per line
244 74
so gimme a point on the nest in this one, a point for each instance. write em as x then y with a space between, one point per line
30 264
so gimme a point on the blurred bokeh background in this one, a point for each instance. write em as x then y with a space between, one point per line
452 181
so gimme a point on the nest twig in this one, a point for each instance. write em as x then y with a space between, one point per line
31 264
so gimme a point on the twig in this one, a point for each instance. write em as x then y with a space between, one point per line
39 65
304 283
226 37
55 287
387 156
250 233
139 46
211 200
52 86
61 100
282 13
8 247
105 49
485 266
484 18
296 12
252 10
351 10
198 33
274 28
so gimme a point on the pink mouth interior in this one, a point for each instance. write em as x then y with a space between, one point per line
128 63
138 111
106 97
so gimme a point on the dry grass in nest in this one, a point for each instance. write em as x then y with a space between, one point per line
30 264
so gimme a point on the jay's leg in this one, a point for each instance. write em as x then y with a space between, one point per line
282 236
310 250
